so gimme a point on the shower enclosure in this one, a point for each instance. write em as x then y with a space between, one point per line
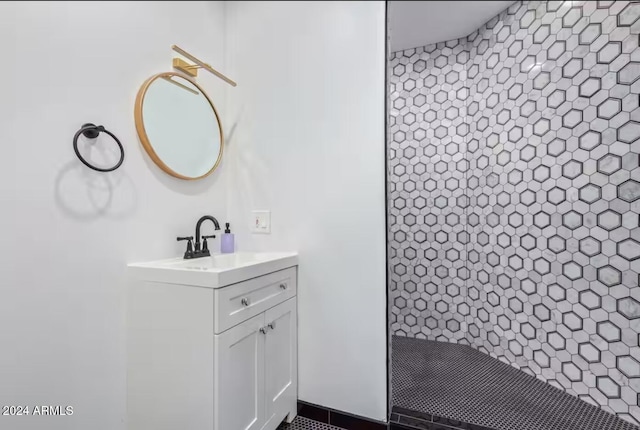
514 187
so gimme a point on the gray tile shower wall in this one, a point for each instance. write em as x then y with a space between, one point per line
428 163
515 191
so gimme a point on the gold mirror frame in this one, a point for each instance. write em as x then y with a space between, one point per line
144 138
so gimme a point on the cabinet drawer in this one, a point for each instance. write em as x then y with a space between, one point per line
239 302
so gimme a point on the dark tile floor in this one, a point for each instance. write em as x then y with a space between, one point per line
301 423
460 383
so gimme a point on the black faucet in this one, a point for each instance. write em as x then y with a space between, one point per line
198 250
204 252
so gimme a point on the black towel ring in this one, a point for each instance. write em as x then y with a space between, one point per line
91 131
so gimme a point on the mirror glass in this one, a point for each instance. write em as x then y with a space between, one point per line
179 126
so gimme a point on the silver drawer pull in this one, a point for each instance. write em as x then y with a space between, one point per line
263 330
245 301
272 325
283 286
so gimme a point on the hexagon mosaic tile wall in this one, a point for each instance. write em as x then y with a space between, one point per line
515 195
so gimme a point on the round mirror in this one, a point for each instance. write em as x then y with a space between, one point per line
178 126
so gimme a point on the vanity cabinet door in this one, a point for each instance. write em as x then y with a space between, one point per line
281 373
239 377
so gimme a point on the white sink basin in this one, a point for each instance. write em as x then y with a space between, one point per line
216 271
224 261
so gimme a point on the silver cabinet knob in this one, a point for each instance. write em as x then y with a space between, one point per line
263 330
283 286
245 301
272 325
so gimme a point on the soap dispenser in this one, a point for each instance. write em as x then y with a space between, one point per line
227 242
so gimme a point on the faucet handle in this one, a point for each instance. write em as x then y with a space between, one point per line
205 247
189 252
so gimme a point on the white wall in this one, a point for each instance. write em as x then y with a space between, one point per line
65 232
307 142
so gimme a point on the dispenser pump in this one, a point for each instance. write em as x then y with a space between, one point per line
226 227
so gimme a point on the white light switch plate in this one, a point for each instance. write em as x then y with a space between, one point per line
261 222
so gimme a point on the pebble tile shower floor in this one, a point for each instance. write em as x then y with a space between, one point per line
458 382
